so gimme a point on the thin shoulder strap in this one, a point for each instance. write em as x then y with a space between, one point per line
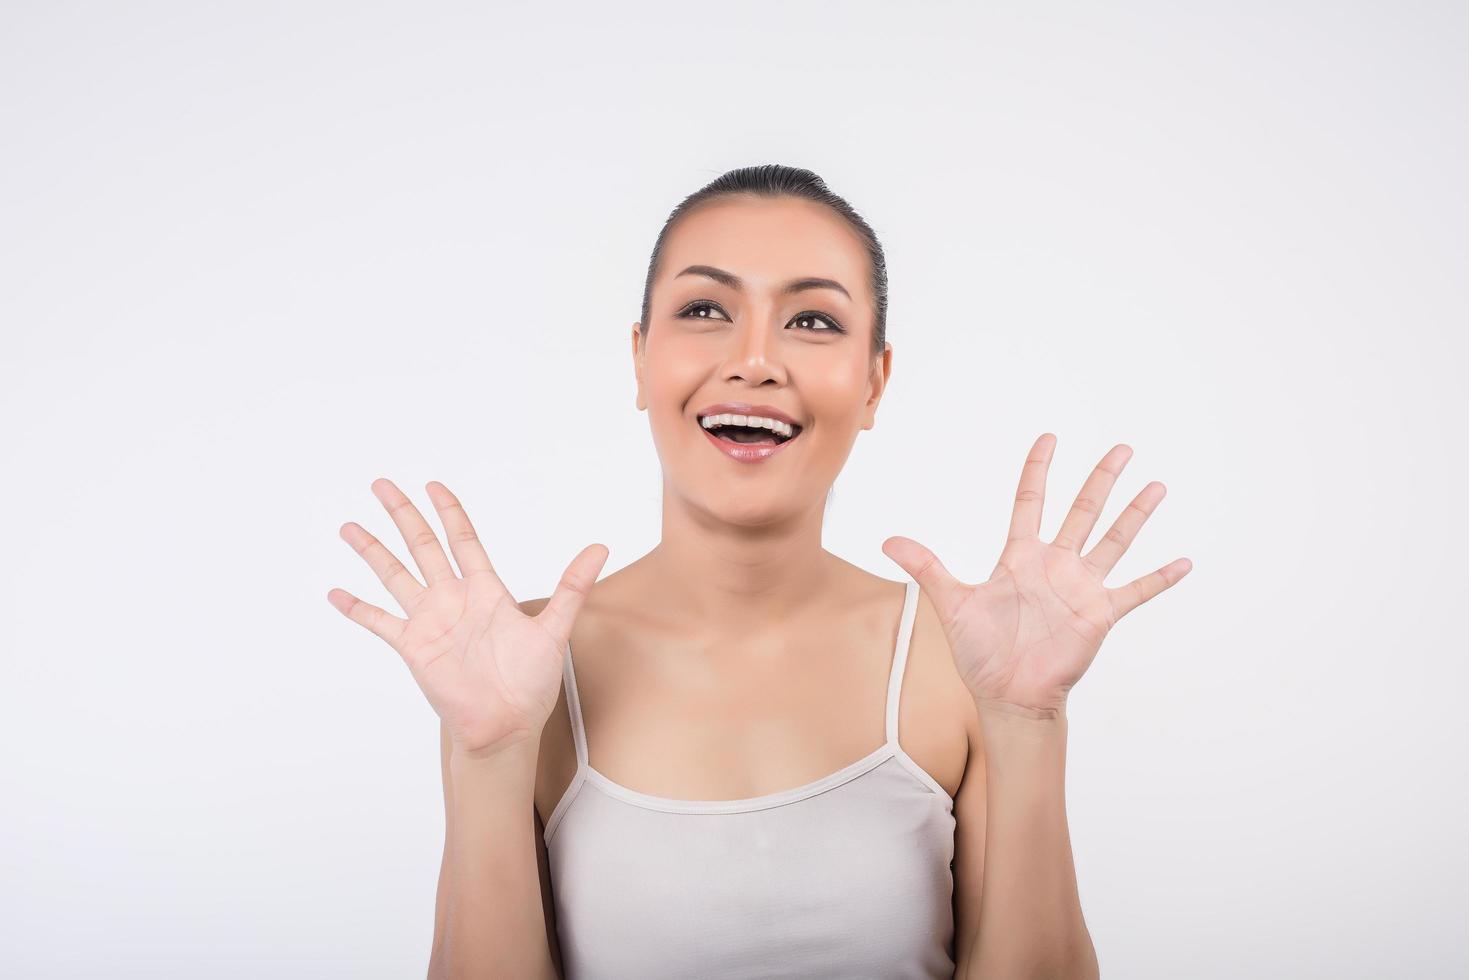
573 707
900 658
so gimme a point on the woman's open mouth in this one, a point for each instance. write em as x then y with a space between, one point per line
748 438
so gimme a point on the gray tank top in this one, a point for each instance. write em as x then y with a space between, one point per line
847 876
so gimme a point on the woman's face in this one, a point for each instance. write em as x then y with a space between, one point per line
735 321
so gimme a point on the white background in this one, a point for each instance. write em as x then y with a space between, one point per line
254 256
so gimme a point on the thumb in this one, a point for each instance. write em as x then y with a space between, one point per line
926 569
576 582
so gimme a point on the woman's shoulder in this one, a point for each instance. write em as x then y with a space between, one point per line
932 686
854 588
609 596
604 612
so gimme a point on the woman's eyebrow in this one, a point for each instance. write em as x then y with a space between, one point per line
735 282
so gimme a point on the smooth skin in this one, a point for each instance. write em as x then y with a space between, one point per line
739 657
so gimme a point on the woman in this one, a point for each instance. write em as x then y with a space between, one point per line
692 737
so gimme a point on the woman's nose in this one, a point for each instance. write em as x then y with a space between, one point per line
754 356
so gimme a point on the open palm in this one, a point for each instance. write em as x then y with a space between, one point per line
1022 639
491 672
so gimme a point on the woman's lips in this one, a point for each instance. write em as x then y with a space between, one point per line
747 452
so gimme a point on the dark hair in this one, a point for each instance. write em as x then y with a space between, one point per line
775 180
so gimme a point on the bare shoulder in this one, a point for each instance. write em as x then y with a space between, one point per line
937 722
933 688
931 646
930 662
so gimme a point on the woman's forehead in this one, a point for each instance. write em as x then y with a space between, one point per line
767 241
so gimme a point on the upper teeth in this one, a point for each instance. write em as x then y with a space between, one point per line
752 421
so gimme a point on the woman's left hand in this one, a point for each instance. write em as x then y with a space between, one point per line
1022 639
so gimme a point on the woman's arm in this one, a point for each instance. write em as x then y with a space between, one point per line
1020 641
491 920
1029 918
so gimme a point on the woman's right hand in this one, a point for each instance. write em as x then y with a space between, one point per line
491 672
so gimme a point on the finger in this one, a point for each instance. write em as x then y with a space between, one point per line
1118 539
1128 597
423 543
1030 498
469 553
385 625
1082 516
944 590
390 571
576 583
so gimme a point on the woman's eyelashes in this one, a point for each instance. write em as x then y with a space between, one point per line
700 310
831 325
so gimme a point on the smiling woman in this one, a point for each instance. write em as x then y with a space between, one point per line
778 842
766 294
764 760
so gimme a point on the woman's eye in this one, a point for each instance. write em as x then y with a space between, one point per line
809 321
812 321
702 311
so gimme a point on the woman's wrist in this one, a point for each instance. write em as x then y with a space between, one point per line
1004 709
514 760
999 721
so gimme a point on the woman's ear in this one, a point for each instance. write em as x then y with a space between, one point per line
637 363
877 382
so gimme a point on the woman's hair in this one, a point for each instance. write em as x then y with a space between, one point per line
774 180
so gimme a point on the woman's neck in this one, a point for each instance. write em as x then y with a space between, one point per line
728 575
